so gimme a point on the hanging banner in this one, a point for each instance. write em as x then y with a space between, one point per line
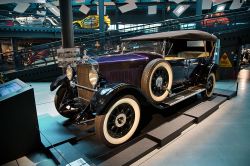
128 7
224 61
21 7
84 9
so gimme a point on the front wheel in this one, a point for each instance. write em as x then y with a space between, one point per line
62 103
210 84
120 122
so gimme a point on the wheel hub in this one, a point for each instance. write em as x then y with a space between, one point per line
209 84
159 82
120 120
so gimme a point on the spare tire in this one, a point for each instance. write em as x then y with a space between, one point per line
157 79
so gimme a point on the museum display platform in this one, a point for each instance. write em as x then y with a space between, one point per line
78 144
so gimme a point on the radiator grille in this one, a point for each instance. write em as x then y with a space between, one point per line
83 79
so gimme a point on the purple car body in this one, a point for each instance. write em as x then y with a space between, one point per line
125 68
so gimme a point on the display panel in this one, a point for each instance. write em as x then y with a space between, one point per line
9 88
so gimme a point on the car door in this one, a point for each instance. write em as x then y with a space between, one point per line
179 67
192 63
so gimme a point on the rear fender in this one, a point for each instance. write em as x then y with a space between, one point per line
212 68
104 97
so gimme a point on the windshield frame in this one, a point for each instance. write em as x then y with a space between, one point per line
160 43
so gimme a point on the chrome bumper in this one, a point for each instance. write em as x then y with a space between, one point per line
72 84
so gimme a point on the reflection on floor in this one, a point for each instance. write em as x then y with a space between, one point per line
221 139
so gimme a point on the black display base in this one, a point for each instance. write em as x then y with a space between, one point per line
66 153
131 153
170 130
52 132
226 93
204 109
74 144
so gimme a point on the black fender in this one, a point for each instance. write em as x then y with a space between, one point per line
212 68
59 81
105 95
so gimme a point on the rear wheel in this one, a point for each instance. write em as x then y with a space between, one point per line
120 122
47 24
210 84
62 103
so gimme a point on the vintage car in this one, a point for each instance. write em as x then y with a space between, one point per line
91 22
215 19
6 21
47 22
160 69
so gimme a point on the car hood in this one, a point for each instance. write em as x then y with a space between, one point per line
126 68
128 57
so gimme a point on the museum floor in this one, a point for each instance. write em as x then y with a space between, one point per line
221 139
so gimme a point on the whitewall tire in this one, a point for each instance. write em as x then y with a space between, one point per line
210 85
120 122
157 79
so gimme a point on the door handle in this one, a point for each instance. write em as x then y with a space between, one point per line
195 63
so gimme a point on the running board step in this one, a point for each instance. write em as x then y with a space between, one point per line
172 100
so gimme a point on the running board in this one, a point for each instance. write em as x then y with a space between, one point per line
172 100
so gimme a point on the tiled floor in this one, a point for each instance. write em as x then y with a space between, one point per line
221 139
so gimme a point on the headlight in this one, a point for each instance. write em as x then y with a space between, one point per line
69 72
93 77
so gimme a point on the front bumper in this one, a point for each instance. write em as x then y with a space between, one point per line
73 84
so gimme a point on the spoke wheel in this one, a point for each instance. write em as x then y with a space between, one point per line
157 79
120 122
62 105
210 84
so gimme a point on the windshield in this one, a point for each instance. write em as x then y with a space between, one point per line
188 49
148 46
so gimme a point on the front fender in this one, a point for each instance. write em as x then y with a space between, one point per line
106 95
78 22
59 81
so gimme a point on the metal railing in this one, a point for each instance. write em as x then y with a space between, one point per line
238 20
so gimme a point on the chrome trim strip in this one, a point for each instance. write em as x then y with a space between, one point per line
83 87
185 97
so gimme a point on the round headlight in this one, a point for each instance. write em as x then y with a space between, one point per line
69 72
93 77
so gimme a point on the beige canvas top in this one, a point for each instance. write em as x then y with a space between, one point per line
182 34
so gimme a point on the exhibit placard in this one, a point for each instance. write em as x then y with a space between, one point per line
68 56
